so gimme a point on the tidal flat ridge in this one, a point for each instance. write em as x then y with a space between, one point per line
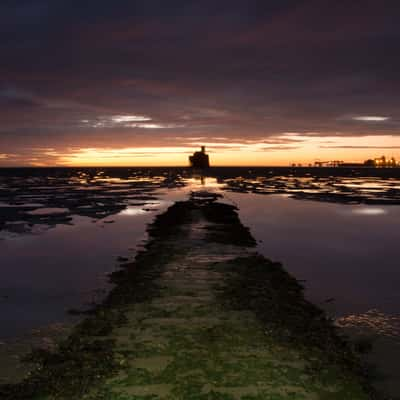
199 315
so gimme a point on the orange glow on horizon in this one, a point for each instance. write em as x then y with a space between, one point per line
299 149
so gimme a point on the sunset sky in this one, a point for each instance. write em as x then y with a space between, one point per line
147 82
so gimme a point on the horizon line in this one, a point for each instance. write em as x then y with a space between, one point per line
361 165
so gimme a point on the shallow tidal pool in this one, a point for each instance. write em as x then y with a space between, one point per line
59 241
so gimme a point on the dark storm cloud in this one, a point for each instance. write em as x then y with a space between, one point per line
235 69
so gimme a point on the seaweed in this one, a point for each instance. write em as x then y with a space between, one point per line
264 287
91 364
226 227
88 356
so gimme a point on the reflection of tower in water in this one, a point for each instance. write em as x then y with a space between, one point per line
198 176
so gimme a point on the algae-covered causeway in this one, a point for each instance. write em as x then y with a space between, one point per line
199 315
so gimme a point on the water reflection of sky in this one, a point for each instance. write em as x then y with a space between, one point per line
368 211
45 274
348 252
132 211
347 249
342 251
347 256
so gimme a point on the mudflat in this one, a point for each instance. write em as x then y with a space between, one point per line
199 315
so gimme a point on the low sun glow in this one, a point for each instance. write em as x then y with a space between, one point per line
283 150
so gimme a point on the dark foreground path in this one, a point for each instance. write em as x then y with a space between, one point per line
199 315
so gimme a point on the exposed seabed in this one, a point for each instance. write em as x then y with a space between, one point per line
199 315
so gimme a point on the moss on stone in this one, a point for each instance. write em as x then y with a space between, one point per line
179 326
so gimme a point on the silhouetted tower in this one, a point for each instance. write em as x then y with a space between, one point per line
200 159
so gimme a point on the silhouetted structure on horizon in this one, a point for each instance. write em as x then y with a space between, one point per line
200 159
381 162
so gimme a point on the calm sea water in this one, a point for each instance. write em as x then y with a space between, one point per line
62 231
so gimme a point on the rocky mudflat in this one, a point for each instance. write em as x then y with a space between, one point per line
199 315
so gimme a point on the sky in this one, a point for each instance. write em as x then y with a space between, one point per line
147 82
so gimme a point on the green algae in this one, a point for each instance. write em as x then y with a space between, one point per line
223 215
179 326
277 298
82 361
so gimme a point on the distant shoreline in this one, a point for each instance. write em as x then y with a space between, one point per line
232 171
362 167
